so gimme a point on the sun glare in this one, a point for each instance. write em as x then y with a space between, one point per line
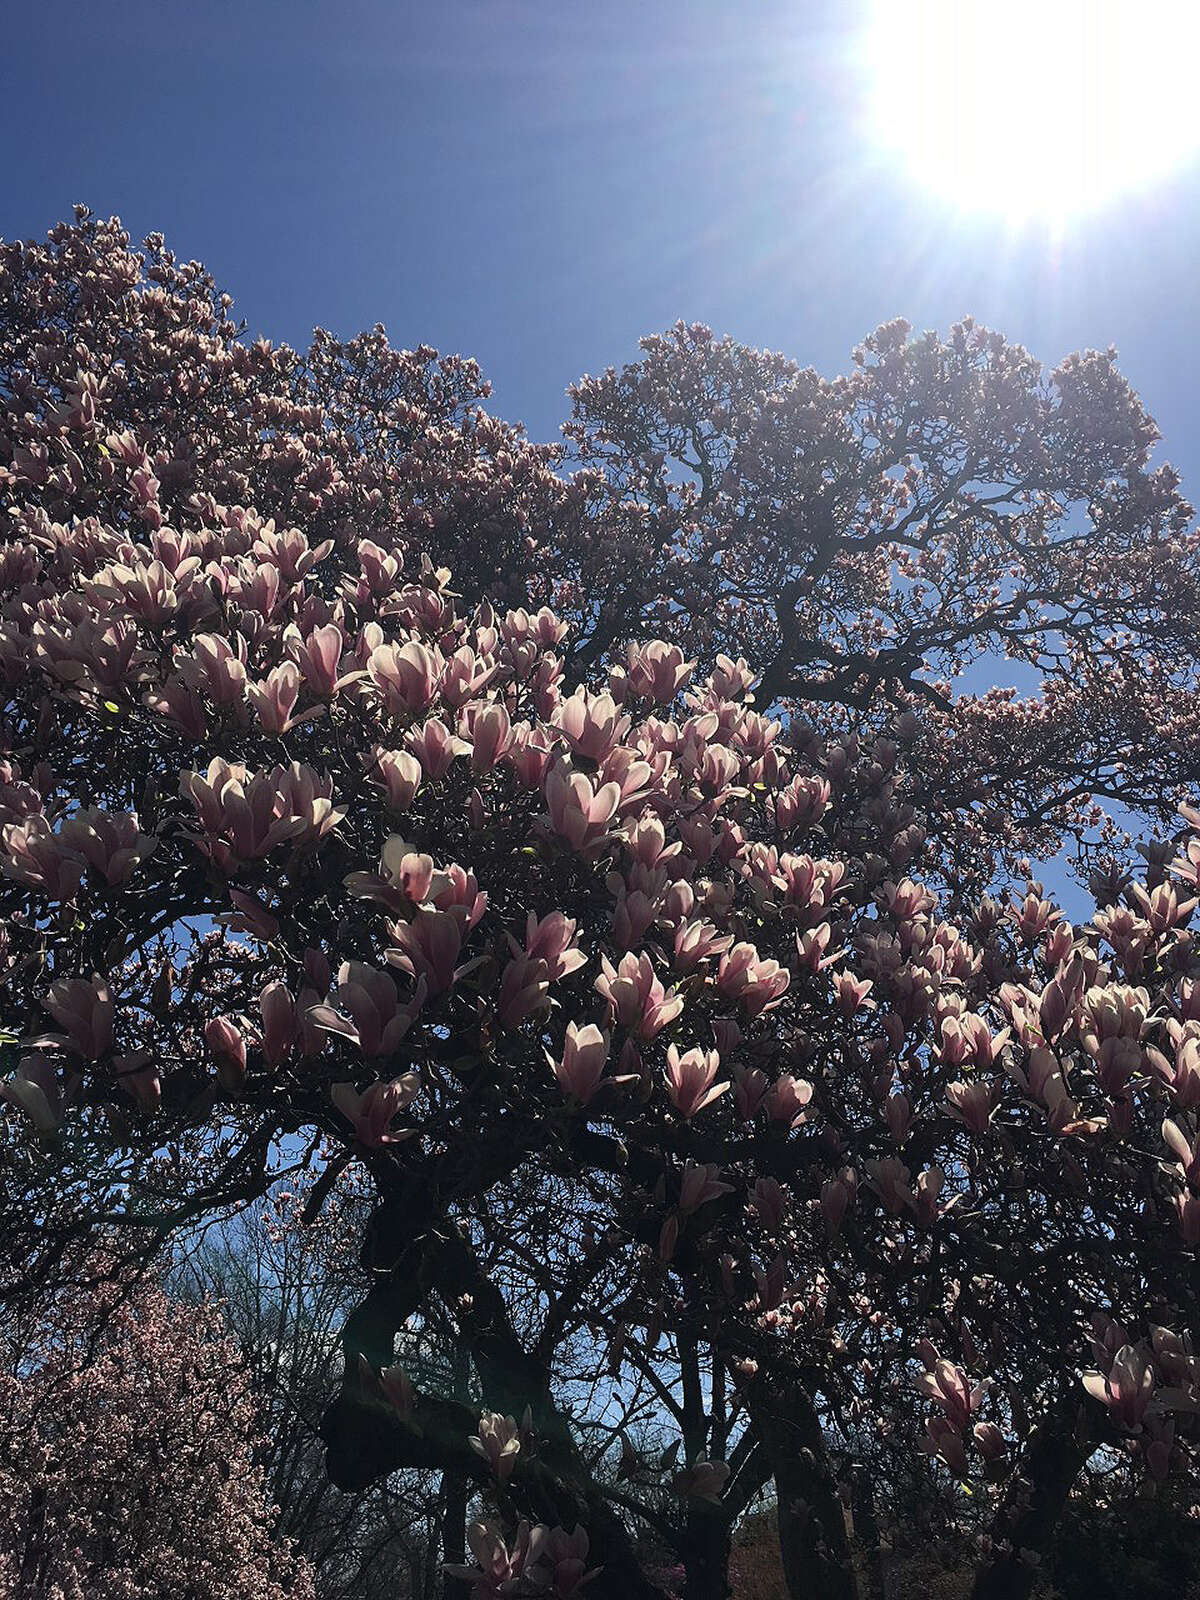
1035 108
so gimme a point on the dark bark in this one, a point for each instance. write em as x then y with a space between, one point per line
365 1440
812 1526
454 1525
1026 1521
706 1553
866 1526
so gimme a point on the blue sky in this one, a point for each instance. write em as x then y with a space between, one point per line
538 184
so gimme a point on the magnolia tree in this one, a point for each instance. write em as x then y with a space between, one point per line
602 861
128 1436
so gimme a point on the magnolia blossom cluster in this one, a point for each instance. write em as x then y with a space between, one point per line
539 1560
1146 1386
711 957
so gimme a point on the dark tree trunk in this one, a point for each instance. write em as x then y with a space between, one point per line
866 1527
365 1441
1025 1524
706 1555
454 1527
812 1527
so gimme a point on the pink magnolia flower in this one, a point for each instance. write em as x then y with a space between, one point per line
928 1189
465 676
138 1076
972 1103
524 990
945 1441
528 756
370 1113
951 1391
398 1391
633 915
407 675
562 1560
732 680
656 671
749 1091
500 1568
837 1196
967 1038
378 1022
487 729
802 804
701 1182
758 985
702 1480
217 667
404 880
250 916
769 1201
898 1111
851 993
428 948
498 1442
84 1009
33 1089
636 997
456 890
435 747
1176 1358
646 841
110 842
580 812
318 657
993 1447
584 1057
552 940
1186 1150
279 1023
1157 1445
228 1046
244 816
274 698
1187 1213
691 1080
697 941
771 1284
1128 1388
590 723
892 1182
400 774
40 858
787 1100
543 627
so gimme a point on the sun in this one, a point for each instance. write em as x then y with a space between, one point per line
1035 108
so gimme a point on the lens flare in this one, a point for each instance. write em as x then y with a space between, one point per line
1049 108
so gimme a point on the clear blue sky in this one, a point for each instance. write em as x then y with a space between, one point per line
537 184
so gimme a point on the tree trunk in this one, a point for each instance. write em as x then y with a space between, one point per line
812 1527
866 1527
706 1555
454 1526
364 1441
1025 1523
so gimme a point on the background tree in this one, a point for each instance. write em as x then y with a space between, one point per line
284 1289
128 1435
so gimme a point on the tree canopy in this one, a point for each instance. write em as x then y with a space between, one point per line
592 844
